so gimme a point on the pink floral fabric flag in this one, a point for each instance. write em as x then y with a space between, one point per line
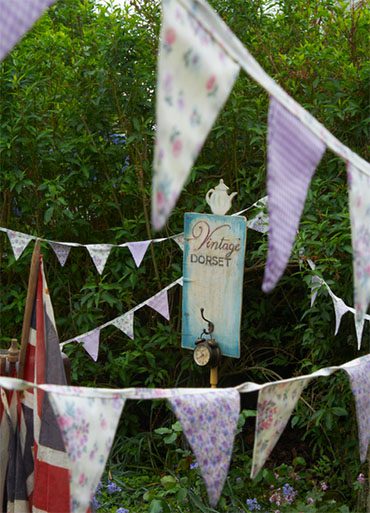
195 77
88 425
138 250
159 303
19 241
90 341
61 251
209 423
293 153
99 254
275 405
359 207
125 323
16 18
359 375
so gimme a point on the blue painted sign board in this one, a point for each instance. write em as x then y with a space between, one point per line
213 268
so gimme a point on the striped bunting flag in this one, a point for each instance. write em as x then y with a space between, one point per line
16 18
293 154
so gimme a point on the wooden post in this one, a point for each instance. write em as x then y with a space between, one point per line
31 292
213 377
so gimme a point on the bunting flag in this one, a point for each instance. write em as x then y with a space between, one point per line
138 250
316 283
259 223
125 323
209 423
195 77
179 239
340 309
359 206
19 241
90 342
99 254
159 303
359 375
16 18
88 425
293 153
275 405
61 251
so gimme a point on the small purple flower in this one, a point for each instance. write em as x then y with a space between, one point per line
113 488
324 486
252 505
95 504
310 500
361 478
194 465
122 510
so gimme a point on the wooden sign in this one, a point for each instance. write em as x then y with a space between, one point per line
213 270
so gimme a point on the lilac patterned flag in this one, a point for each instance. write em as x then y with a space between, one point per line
159 303
275 405
195 77
19 241
209 423
99 253
61 251
90 342
138 250
16 18
88 425
359 205
359 375
293 153
125 323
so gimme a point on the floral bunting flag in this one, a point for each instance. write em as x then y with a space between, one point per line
99 253
359 206
138 250
88 425
19 241
340 309
209 423
16 18
293 153
259 223
61 251
359 375
195 77
275 405
159 303
125 323
90 342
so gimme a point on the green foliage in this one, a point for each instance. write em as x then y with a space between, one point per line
77 132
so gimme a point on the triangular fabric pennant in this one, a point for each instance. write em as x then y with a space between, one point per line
293 153
99 254
209 423
340 309
259 223
19 241
359 207
195 78
359 326
159 303
16 18
275 405
125 323
316 283
90 342
359 375
61 251
88 425
179 239
138 250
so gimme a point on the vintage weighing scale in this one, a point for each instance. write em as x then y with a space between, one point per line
213 268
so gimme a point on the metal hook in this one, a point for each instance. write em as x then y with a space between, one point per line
211 326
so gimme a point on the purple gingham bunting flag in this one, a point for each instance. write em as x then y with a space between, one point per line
359 206
16 18
99 253
19 241
195 77
138 250
61 251
159 303
90 342
209 423
359 376
293 153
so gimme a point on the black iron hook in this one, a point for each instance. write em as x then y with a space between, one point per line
211 326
